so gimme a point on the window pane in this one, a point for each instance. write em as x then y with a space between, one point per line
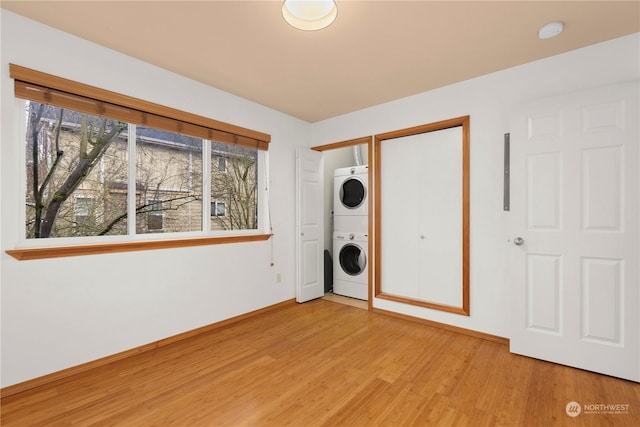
76 167
168 182
235 188
84 212
222 164
221 209
218 209
155 215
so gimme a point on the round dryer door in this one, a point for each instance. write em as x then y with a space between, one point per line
352 259
352 193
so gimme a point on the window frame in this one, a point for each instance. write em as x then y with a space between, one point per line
85 245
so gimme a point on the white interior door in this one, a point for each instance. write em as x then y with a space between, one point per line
309 225
574 230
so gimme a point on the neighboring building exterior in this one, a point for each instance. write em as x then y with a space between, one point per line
169 178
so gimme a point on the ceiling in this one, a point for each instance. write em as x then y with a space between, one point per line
375 51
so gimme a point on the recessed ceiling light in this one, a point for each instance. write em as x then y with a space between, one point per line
550 30
309 15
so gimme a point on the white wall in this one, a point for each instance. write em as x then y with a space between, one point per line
488 100
57 313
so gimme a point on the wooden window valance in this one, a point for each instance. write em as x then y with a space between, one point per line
48 89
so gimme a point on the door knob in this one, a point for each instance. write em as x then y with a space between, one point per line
518 241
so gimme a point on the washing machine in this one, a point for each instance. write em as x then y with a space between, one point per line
350 264
350 196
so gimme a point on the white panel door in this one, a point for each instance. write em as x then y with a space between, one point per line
574 230
309 225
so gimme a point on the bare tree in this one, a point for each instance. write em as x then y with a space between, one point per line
95 136
84 158
78 183
237 187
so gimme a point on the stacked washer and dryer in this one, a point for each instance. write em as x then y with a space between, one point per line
350 231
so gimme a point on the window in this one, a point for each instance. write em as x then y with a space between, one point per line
73 162
155 215
237 186
99 163
221 209
218 209
169 172
222 164
83 211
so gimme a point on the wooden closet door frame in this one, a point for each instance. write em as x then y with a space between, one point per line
463 122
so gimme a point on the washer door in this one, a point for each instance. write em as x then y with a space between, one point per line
353 260
352 193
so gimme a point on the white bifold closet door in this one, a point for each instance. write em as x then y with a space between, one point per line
421 227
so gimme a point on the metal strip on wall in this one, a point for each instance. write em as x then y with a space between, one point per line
506 187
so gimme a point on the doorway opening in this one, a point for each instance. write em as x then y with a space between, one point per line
347 154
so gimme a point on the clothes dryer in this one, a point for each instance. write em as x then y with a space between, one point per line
350 264
350 192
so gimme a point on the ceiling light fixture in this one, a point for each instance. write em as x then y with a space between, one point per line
550 30
309 15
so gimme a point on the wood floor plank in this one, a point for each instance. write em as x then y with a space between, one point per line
325 364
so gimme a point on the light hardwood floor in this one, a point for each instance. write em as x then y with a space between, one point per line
325 364
353 302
